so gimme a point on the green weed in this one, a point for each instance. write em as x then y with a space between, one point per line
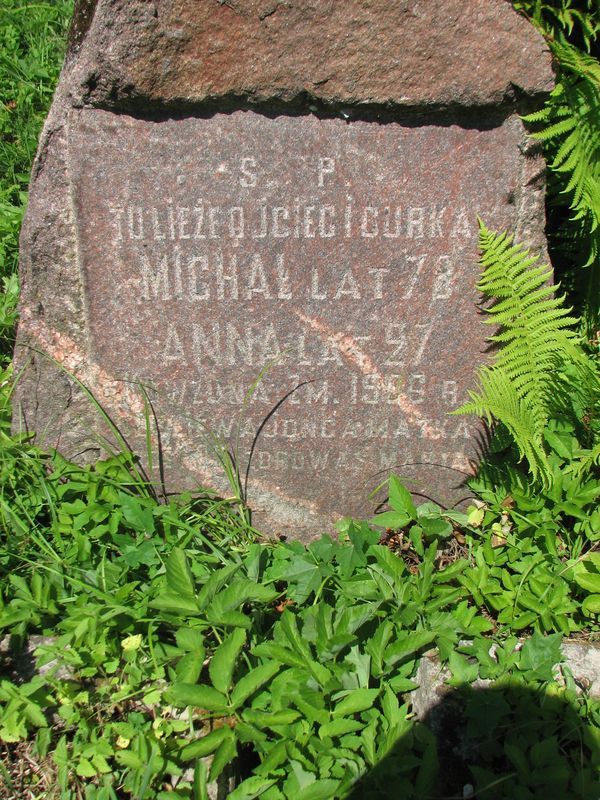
293 665
32 41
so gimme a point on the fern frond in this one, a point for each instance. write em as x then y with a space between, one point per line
558 20
581 64
557 128
590 459
520 389
498 401
571 134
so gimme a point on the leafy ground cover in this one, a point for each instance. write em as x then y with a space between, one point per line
174 649
293 665
32 40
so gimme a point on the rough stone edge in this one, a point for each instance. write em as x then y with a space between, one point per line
105 87
582 658
65 336
69 320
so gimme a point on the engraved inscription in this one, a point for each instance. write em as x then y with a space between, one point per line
302 287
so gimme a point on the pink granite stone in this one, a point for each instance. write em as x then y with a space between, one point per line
295 288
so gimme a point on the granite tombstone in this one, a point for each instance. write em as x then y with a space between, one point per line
264 212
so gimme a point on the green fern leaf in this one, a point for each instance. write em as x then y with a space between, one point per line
559 20
520 389
589 459
571 136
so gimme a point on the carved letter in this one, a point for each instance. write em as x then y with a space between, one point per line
173 349
222 279
366 231
155 281
277 213
182 216
249 178
326 167
257 283
135 213
194 277
236 222
378 288
326 231
283 279
414 225
348 286
315 294
119 214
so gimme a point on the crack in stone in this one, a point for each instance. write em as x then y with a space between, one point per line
127 403
352 352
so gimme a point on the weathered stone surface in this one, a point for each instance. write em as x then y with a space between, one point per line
402 52
582 659
297 288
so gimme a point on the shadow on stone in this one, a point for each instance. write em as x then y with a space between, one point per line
495 743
